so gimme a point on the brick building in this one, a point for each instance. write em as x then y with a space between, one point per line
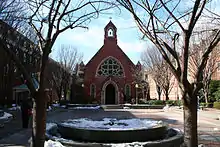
108 77
12 82
10 77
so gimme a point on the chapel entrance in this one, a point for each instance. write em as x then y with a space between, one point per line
110 94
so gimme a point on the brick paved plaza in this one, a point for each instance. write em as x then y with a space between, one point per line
208 125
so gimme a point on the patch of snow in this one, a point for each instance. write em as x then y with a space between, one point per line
63 106
92 107
165 108
49 109
112 123
215 129
50 125
15 108
51 143
133 144
56 105
6 116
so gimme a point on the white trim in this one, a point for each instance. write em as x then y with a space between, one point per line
103 60
117 100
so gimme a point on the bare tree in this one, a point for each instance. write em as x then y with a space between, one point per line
49 19
67 57
139 79
158 70
196 52
165 21
12 12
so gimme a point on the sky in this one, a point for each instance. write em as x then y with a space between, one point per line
88 42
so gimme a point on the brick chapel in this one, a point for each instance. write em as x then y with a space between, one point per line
108 76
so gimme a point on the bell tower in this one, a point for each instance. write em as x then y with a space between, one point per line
110 33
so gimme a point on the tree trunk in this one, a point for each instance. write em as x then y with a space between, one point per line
190 121
158 91
39 119
167 95
60 94
65 93
206 95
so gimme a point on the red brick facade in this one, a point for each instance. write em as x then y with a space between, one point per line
109 86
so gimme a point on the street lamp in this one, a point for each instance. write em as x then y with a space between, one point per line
136 87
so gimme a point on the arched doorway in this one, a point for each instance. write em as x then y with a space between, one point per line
110 94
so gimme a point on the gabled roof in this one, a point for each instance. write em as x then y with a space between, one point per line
129 60
94 55
110 24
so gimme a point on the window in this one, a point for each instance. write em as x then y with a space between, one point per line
127 90
110 33
110 67
92 91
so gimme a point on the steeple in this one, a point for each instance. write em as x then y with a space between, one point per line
110 33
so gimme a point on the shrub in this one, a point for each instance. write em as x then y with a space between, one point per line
213 90
174 102
179 102
209 105
171 102
143 101
202 104
216 105
156 102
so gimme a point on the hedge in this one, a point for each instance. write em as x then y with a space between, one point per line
216 105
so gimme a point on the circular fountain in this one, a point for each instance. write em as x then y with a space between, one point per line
89 132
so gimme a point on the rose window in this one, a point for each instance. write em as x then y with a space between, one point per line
110 67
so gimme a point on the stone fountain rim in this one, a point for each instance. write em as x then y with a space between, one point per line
157 143
113 130
159 125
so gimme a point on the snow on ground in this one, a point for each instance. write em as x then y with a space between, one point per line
6 116
88 123
50 125
49 108
112 123
92 107
56 105
15 108
51 143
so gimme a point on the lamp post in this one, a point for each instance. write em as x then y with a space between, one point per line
136 87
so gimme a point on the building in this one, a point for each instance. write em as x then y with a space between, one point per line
108 77
212 70
12 82
11 79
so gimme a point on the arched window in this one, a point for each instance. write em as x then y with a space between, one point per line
110 33
110 67
92 90
127 90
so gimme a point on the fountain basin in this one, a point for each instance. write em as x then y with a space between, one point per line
112 136
78 135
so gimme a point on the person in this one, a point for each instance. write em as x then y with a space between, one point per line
26 110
